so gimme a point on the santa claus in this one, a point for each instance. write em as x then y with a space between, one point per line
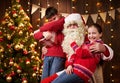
74 30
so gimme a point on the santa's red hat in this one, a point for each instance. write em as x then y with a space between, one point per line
74 18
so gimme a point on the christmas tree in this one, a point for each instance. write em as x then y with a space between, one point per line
19 53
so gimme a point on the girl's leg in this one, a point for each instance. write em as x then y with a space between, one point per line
65 78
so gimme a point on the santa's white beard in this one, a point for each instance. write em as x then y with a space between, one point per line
71 35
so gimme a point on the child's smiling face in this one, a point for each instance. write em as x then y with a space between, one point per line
93 34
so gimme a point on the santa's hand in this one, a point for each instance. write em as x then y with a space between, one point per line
69 69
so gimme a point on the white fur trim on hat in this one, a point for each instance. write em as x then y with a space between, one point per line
73 17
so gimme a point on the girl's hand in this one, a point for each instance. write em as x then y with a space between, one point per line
69 69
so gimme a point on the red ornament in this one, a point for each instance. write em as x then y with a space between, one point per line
12 73
27 61
24 80
35 68
1 70
0 32
12 27
25 52
11 62
8 45
1 40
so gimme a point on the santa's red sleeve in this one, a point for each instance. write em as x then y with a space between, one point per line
49 79
53 26
106 53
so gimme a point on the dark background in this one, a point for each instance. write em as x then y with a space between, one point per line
111 68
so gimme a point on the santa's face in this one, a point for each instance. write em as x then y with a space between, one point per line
72 26
72 33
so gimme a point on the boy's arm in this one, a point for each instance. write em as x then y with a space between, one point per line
38 35
53 26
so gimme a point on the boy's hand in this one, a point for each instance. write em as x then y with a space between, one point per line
47 35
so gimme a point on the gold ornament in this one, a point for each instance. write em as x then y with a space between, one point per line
21 25
26 18
32 57
32 46
24 81
31 34
27 61
11 63
8 37
35 43
34 74
1 49
9 24
37 58
21 11
19 71
9 78
15 15
35 52
20 32
15 64
21 46
17 47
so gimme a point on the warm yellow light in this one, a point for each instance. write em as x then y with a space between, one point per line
57 3
98 4
113 80
73 0
86 4
110 44
108 22
48 5
112 36
110 74
113 66
46 20
111 7
99 11
111 29
73 7
86 11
